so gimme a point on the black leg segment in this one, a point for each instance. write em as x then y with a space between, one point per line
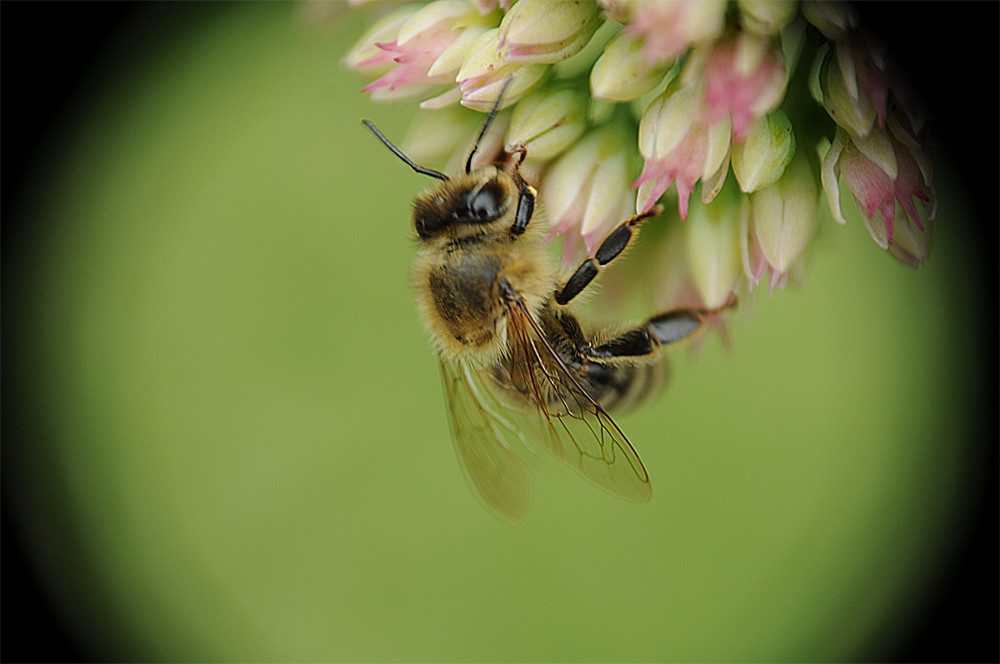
583 276
634 343
643 341
525 205
612 246
674 325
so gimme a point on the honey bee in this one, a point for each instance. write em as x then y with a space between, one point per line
519 368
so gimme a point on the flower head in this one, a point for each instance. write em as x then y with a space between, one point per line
685 88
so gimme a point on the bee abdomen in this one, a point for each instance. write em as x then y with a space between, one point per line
619 388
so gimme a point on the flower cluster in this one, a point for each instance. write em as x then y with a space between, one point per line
623 103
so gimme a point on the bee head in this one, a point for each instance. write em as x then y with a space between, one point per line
464 204
468 202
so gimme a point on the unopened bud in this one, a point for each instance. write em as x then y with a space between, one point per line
761 159
544 32
547 122
849 107
784 216
767 17
713 246
622 73
484 73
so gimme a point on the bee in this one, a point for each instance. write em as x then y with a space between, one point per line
520 370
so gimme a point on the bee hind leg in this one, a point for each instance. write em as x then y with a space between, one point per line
676 324
642 343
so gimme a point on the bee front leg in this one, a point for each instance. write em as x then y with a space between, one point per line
525 204
611 247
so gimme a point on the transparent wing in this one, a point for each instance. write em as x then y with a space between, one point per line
575 428
485 440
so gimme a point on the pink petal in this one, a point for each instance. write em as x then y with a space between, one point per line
869 183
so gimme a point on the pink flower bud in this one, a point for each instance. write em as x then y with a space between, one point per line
679 148
884 186
854 87
667 28
744 78
427 50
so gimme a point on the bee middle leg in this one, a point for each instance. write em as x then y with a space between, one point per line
612 245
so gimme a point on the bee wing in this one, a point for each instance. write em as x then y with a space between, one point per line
485 439
575 427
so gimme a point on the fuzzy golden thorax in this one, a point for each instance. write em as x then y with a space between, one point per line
468 247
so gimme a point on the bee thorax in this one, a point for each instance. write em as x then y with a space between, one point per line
463 293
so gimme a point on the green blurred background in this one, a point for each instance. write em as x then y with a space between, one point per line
224 430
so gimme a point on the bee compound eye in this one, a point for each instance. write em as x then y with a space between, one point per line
486 203
480 205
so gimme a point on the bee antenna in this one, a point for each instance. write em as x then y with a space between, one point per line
486 125
423 170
